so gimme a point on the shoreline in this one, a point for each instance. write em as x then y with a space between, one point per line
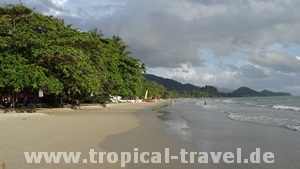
150 136
215 132
123 127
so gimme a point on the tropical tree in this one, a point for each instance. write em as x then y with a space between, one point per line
41 52
17 70
123 72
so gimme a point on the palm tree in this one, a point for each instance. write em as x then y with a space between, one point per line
96 32
143 68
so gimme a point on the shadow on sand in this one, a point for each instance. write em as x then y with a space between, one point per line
20 110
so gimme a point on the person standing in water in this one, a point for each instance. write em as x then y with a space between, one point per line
204 102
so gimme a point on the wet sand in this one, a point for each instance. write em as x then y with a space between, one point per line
150 136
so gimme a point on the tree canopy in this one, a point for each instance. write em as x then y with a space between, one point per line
41 52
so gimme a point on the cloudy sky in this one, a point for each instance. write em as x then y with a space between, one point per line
224 43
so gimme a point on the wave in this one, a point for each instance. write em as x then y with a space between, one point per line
277 107
282 107
229 101
249 104
267 120
177 127
199 103
256 105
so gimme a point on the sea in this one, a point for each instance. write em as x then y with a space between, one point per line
281 111
225 124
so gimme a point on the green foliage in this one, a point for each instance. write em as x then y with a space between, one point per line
155 90
41 52
124 75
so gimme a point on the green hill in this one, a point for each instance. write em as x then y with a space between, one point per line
171 84
247 92
190 90
270 93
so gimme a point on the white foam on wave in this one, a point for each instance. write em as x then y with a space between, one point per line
264 105
199 103
229 101
178 127
282 107
296 128
267 120
256 105
249 104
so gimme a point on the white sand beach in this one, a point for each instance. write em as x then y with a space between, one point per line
64 130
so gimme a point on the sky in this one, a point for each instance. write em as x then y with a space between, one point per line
223 43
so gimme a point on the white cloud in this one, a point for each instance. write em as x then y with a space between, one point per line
59 3
276 61
223 79
186 72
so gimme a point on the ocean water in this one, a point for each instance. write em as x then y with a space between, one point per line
271 111
225 124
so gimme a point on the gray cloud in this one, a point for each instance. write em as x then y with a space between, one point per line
170 33
251 71
167 33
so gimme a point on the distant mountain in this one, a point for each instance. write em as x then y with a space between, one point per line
209 91
224 90
247 92
270 93
184 90
170 84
